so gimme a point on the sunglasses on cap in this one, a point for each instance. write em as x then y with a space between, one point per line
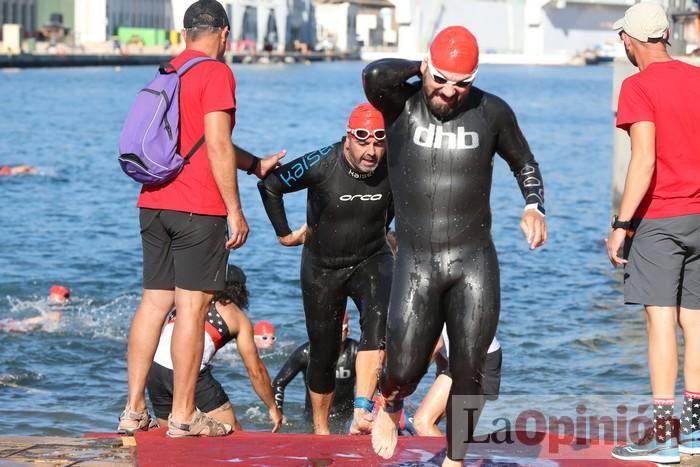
440 79
363 134
266 337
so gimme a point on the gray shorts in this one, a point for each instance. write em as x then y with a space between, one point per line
664 262
183 250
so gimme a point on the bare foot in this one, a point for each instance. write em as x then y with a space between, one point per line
385 433
450 463
361 422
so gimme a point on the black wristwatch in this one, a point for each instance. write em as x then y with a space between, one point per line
618 224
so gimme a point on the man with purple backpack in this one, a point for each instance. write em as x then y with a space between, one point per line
184 219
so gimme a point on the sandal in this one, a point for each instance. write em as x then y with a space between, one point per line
131 421
201 425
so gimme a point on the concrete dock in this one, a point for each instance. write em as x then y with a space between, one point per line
59 451
82 60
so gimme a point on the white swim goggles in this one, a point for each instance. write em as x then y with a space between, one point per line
439 78
363 134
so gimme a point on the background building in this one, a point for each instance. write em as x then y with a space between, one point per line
23 12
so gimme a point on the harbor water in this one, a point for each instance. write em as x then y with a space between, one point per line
563 327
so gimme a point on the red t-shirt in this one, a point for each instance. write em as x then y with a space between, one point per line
208 87
667 94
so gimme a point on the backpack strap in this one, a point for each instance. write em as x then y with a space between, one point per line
194 149
191 63
187 66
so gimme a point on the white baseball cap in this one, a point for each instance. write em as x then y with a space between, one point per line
644 21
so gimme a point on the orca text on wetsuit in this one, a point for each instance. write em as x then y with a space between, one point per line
440 168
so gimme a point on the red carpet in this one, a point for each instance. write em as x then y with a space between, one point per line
267 449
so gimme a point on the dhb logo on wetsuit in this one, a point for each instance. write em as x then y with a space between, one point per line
342 373
433 137
375 197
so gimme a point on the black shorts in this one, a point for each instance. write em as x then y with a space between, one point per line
492 374
209 394
183 250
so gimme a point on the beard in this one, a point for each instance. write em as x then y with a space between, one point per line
630 57
440 109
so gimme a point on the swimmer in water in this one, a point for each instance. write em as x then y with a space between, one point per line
346 254
58 296
442 135
264 335
7 170
225 321
298 361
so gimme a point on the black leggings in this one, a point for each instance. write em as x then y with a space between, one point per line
458 286
325 292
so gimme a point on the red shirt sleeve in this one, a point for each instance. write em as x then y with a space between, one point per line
633 105
219 91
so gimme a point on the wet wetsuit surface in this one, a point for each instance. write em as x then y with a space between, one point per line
446 267
299 360
346 253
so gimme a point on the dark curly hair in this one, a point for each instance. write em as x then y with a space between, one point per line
235 290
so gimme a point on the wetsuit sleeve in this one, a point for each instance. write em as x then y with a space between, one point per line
513 148
296 362
386 86
294 176
390 213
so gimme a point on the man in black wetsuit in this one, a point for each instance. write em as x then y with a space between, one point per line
299 360
345 254
442 134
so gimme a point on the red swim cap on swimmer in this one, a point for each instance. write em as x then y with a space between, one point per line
5 170
367 117
59 290
455 50
263 327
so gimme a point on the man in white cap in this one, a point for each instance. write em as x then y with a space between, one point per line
658 223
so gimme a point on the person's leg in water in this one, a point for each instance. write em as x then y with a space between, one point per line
211 399
225 414
414 324
471 307
370 289
324 307
432 407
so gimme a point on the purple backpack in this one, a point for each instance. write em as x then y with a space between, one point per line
148 150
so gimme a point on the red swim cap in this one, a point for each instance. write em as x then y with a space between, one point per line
367 117
455 50
5 170
59 290
263 327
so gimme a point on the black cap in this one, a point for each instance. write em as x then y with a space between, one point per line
235 274
205 13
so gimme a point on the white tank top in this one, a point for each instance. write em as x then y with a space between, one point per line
445 349
216 335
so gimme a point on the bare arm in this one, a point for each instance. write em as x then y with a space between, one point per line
639 176
222 157
257 372
255 165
